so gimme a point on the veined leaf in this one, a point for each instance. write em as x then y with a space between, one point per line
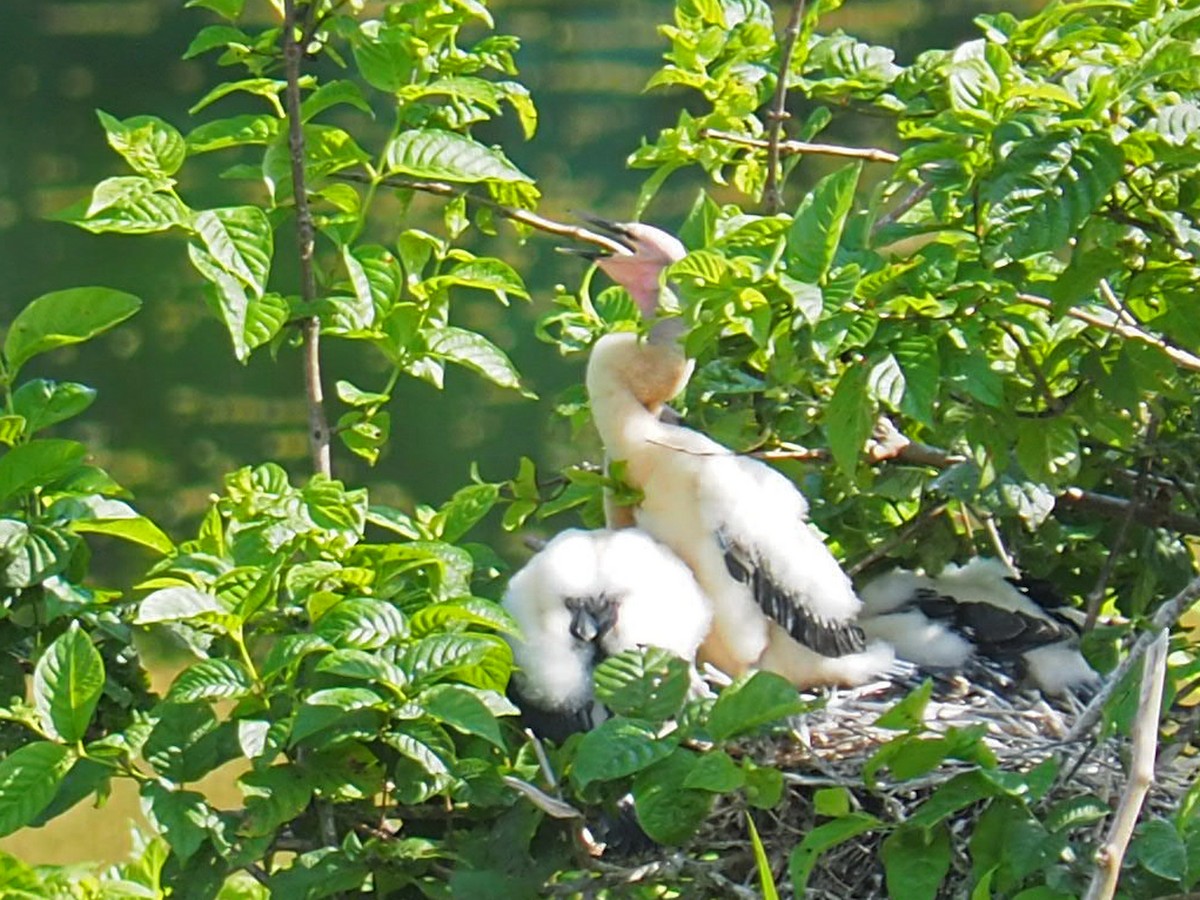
29 778
459 708
849 418
150 145
616 748
749 703
475 352
174 604
1043 192
361 623
268 88
37 463
235 131
43 403
240 240
647 683
817 228
669 812
448 156
211 679
333 93
67 682
64 317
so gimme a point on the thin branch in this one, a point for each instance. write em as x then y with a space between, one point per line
915 525
1141 773
773 190
1164 617
1182 358
789 148
907 202
523 216
1096 596
993 533
318 426
1054 403
1110 297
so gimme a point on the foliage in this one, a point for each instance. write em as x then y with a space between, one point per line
1013 289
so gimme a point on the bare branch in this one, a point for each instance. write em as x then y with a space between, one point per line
907 202
1182 358
772 190
523 216
993 533
318 426
1141 772
1164 617
790 148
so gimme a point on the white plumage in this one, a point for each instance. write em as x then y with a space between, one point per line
780 599
976 610
588 595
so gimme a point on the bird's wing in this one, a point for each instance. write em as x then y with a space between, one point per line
758 520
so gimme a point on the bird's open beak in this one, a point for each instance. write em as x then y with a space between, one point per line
613 241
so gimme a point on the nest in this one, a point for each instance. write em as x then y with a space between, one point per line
830 746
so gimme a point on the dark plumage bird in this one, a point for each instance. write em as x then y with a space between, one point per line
979 610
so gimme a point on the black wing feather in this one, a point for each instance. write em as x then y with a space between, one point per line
829 638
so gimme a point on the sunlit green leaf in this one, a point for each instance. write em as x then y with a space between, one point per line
65 317
67 682
29 778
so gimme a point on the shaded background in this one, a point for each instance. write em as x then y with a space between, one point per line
175 411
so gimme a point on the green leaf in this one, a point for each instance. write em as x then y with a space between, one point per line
1044 191
751 702
645 683
229 9
451 615
462 710
715 771
268 88
765 878
44 403
817 227
62 318
915 861
213 37
361 623
850 418
1160 850
176 604
135 529
908 714
183 817
32 553
360 664
616 748
447 156
974 85
667 811
235 131
274 797
150 145
825 837
36 464
67 682
333 93
211 679
29 778
468 505
475 352
918 357
240 240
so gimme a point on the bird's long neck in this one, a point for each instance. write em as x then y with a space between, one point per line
628 382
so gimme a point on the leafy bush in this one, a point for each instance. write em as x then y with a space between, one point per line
1010 288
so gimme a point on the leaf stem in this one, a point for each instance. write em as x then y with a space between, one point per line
791 148
318 426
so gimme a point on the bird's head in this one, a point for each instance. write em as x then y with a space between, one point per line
592 617
647 252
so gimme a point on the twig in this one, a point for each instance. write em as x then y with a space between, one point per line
772 190
1177 355
1096 596
993 533
789 148
1141 772
917 524
915 454
1110 297
1164 617
318 426
258 874
523 216
907 202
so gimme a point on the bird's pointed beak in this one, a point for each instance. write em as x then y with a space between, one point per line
593 618
612 240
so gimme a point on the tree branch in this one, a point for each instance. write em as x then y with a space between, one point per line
318 426
914 526
1182 358
1141 772
1164 617
790 148
523 216
772 190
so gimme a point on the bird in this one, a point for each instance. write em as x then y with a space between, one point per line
980 610
781 601
586 596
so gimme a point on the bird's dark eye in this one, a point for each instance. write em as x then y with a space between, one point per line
574 604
